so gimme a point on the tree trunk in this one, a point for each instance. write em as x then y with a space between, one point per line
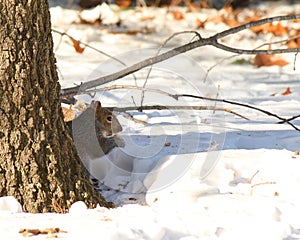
38 161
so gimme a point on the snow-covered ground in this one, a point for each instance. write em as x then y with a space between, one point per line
161 190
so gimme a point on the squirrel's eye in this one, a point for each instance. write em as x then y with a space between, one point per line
109 118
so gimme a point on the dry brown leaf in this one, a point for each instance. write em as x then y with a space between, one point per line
123 3
295 43
232 21
230 17
147 18
94 23
261 28
178 15
268 60
278 29
126 31
286 92
228 9
253 18
216 19
77 46
199 23
106 219
50 232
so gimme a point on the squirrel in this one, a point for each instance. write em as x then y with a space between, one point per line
94 132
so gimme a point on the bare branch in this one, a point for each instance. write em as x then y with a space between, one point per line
213 40
260 46
177 96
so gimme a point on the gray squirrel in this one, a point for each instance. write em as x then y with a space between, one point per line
94 133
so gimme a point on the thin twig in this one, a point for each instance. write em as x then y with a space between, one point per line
262 183
93 48
216 64
279 41
114 87
295 58
289 119
160 107
253 52
157 53
57 207
252 177
242 105
89 46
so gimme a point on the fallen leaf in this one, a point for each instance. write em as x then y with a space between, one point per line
295 43
51 232
94 23
232 21
77 46
278 29
256 16
216 19
268 60
199 23
286 92
123 3
106 219
228 9
260 28
126 31
147 18
178 15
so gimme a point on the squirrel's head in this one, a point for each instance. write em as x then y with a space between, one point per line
107 120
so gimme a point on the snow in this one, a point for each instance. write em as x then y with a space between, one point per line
186 174
10 204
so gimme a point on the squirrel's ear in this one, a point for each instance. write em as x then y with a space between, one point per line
97 109
96 104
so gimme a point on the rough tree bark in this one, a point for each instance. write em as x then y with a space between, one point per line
38 161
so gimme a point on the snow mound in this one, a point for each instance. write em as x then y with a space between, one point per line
10 204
